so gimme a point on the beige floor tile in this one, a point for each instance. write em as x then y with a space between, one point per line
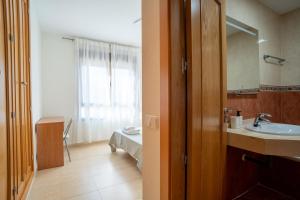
90 196
45 193
74 189
116 177
93 170
127 191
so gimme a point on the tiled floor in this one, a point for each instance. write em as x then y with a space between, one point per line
94 174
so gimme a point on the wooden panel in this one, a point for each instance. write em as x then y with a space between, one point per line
207 89
177 100
194 98
173 100
164 102
50 144
240 175
3 138
283 175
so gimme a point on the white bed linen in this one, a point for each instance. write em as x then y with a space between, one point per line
129 143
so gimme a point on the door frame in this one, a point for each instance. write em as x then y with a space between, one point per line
173 109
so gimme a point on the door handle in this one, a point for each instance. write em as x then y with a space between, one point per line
24 83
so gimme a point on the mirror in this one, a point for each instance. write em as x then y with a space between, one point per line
242 57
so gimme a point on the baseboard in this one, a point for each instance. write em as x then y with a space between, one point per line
87 143
28 186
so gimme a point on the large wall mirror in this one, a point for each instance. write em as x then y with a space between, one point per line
242 57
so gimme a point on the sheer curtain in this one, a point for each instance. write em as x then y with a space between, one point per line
108 79
125 86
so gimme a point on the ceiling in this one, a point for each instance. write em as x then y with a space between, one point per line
107 20
282 6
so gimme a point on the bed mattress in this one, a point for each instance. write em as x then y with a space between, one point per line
132 144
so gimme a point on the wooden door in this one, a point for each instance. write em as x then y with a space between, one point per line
206 99
173 100
3 137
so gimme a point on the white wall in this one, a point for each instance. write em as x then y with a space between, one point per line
36 66
290 48
267 22
58 76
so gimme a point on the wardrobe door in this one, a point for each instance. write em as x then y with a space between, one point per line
18 48
19 134
22 83
25 93
3 137
10 97
24 157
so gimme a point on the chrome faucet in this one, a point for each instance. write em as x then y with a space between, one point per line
261 117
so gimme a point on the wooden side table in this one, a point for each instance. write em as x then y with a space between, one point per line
50 148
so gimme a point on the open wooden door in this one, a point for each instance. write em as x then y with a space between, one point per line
206 98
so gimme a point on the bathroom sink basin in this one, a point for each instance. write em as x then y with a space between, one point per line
276 129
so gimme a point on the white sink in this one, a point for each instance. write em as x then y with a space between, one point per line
276 129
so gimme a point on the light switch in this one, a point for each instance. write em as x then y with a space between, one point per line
152 121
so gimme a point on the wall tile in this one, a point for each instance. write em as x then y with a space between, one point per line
248 104
283 106
290 105
270 102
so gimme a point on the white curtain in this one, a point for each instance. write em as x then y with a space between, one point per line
125 86
108 79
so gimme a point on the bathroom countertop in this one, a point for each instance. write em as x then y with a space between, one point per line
266 144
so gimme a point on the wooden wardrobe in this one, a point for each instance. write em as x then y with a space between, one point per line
16 153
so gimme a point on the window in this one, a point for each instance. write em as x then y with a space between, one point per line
95 91
108 89
109 83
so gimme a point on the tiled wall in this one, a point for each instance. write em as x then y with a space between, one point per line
283 106
290 107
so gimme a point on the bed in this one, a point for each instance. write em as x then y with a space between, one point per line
132 144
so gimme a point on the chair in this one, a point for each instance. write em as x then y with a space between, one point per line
66 136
